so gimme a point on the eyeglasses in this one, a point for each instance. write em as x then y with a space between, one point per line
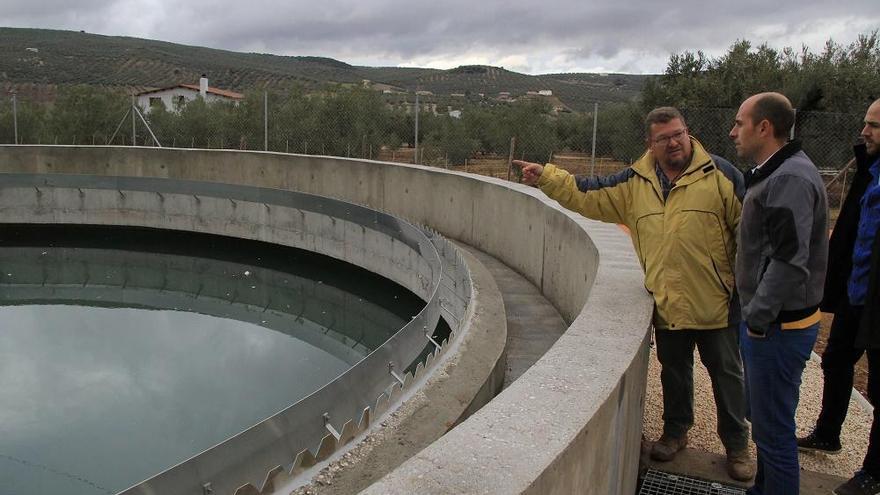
679 136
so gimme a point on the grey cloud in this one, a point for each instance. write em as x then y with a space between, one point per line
53 10
397 31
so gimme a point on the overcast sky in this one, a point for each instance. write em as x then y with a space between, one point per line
635 36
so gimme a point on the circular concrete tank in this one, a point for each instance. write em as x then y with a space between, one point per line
541 434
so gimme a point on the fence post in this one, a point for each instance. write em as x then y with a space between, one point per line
15 117
793 125
133 121
510 156
265 120
593 153
416 141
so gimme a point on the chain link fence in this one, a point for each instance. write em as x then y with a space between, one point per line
475 136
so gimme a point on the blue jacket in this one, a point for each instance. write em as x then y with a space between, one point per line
869 223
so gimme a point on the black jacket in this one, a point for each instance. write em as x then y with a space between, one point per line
840 252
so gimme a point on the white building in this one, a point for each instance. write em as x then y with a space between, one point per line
175 96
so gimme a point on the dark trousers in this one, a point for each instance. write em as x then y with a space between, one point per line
774 364
719 352
838 363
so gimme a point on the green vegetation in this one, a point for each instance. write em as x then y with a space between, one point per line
839 79
341 121
830 90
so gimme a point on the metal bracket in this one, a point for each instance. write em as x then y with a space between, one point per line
431 339
329 427
394 374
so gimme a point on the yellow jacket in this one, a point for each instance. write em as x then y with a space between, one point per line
686 244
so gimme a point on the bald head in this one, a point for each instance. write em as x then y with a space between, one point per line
871 131
776 109
761 126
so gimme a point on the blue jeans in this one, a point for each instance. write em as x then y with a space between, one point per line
773 368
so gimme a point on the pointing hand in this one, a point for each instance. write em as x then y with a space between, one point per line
530 171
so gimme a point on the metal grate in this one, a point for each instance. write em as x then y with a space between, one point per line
660 483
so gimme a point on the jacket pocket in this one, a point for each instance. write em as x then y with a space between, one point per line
721 281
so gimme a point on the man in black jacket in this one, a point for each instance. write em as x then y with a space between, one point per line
851 293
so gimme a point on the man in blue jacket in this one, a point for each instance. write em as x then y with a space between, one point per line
851 293
780 274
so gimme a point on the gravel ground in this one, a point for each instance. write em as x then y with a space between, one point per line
702 436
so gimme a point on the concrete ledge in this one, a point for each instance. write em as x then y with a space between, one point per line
469 376
572 423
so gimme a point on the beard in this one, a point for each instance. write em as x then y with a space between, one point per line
678 162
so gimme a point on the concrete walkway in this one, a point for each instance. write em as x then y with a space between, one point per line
533 324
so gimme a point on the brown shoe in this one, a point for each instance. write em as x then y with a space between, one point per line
664 450
739 465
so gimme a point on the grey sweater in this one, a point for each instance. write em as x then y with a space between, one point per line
782 241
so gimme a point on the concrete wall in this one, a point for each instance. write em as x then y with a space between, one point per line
572 423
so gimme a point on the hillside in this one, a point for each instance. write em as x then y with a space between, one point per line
34 61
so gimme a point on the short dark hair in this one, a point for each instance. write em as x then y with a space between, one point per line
776 109
661 115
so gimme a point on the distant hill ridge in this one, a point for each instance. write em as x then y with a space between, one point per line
33 59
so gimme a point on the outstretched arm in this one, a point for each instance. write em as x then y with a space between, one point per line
606 199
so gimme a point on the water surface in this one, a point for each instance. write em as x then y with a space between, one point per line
125 352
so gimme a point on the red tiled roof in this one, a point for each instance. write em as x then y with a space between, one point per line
216 91
195 87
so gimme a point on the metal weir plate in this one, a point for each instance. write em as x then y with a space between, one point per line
661 483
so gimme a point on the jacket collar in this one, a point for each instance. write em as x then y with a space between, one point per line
863 159
754 176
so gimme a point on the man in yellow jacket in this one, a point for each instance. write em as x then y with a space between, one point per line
682 207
